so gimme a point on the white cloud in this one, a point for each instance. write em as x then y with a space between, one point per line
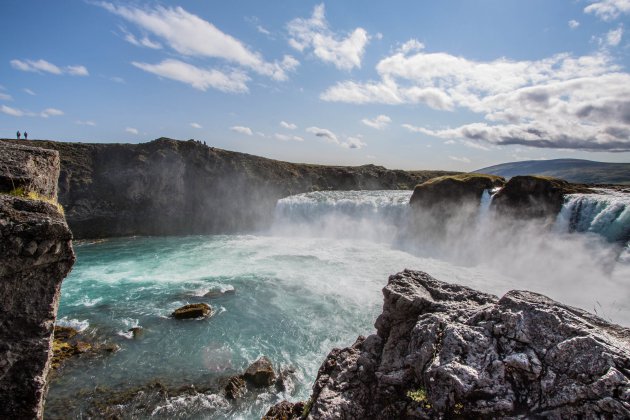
262 30
198 78
5 97
190 35
288 126
242 130
51 112
117 79
411 46
324 133
77 71
44 66
353 143
131 130
315 34
11 111
195 125
613 37
459 159
90 123
608 9
142 42
285 137
560 102
30 92
379 123
573 24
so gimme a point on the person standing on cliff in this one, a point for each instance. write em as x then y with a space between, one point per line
25 135
18 135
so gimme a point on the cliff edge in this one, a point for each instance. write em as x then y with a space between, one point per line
35 256
446 351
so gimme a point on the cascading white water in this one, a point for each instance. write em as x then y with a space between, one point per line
371 215
606 213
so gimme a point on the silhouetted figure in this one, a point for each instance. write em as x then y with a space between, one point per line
19 135
25 135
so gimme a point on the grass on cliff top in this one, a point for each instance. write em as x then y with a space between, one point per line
463 178
32 195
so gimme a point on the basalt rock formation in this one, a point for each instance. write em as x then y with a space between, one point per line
534 197
447 351
35 255
169 187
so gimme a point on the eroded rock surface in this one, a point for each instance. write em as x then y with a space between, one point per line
447 351
35 255
193 310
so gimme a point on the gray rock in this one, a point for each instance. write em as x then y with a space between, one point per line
35 255
443 350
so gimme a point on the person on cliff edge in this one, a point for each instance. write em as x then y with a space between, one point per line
18 134
25 135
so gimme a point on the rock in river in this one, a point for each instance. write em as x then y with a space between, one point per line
193 310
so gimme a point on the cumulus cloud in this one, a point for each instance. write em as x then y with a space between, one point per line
314 34
608 9
131 130
195 125
351 142
561 101
288 126
573 24
43 66
197 77
285 137
379 123
242 130
192 36
613 37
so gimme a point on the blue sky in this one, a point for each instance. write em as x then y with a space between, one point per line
406 84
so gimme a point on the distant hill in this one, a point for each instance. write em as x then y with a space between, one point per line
572 170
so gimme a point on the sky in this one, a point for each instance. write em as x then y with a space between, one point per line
452 84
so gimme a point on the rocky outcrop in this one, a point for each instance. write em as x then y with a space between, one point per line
260 373
447 192
447 351
193 310
169 187
35 255
534 197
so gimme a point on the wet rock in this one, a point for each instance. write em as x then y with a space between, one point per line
109 347
193 310
235 388
285 410
260 373
215 293
447 351
64 333
136 332
534 197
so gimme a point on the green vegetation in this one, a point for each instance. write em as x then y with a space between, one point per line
32 195
420 396
307 408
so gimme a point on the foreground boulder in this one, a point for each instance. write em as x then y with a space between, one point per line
35 256
193 310
533 197
447 351
260 373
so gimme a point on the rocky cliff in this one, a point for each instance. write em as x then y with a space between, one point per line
447 351
35 255
170 187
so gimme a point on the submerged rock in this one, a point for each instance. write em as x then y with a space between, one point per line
136 332
443 351
193 310
260 373
214 293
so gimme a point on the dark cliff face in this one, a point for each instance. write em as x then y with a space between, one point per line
35 255
169 187
447 351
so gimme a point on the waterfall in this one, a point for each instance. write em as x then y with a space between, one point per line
606 213
486 200
374 215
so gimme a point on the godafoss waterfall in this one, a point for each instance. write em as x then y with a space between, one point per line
291 293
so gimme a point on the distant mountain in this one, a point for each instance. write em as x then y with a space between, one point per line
572 170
